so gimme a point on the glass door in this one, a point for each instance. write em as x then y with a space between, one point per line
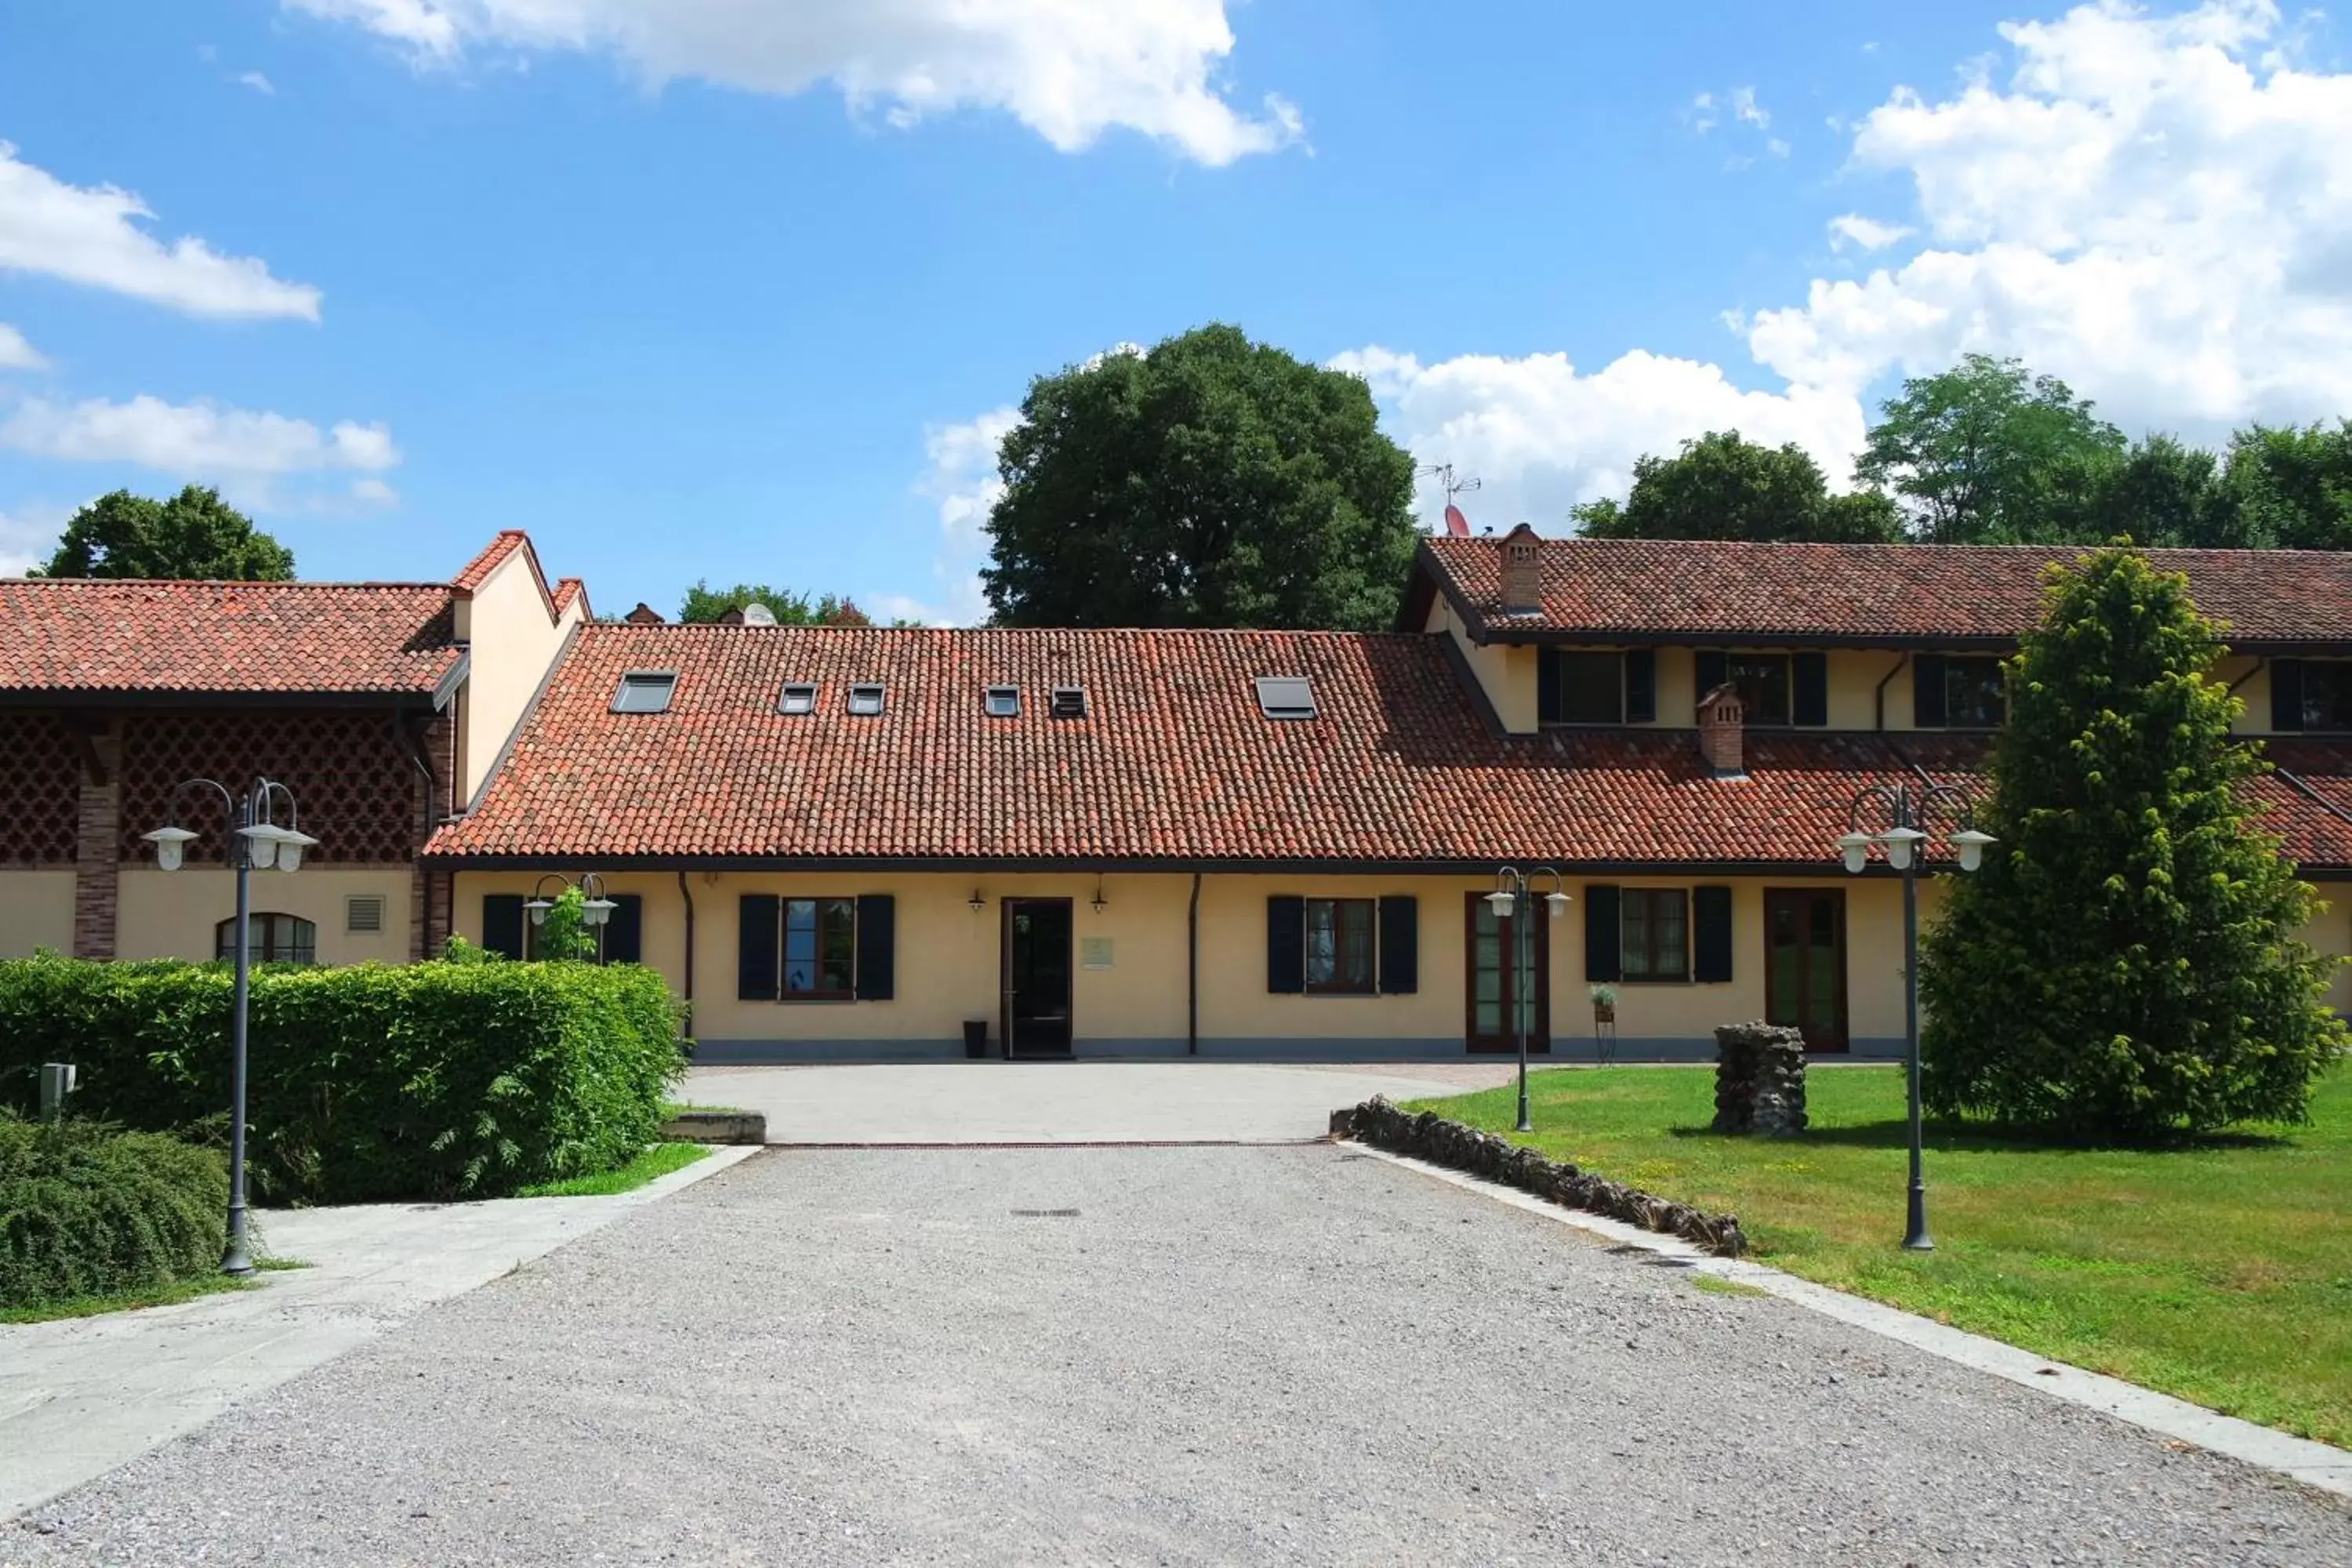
1500 996
1804 969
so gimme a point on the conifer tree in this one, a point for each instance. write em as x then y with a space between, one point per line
2126 963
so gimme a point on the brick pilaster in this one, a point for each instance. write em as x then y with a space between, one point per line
96 850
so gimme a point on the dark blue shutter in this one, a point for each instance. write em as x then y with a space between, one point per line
1809 674
1927 692
1711 933
877 947
1286 945
1642 686
1712 669
501 923
755 947
1547 685
625 930
1400 944
2286 694
1603 945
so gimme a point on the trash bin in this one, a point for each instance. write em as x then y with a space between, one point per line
975 1038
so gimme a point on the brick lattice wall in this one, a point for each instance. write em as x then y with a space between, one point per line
351 775
40 791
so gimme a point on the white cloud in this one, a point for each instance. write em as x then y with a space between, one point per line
1702 114
2156 208
1747 110
28 536
961 477
1543 437
1069 69
90 235
1853 228
258 82
372 491
16 354
197 440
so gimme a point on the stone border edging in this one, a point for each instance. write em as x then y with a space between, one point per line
716 1127
1425 1135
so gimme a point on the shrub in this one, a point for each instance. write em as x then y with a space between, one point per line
371 1082
90 1210
2126 963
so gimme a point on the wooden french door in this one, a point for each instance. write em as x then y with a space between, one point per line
1804 964
1499 993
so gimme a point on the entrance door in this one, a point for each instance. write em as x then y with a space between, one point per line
1500 994
1037 977
1804 964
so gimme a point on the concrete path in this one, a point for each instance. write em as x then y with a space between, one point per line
81 1396
1167 1356
1066 1102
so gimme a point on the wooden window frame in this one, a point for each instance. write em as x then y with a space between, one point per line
1339 984
1733 659
2339 672
1560 657
848 906
1953 664
1627 899
265 950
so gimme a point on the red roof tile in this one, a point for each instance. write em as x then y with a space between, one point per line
127 634
1880 593
1173 764
477 571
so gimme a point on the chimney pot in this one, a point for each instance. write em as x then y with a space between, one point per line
1522 571
1722 719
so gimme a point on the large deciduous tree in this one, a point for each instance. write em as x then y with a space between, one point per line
2292 488
1987 453
704 604
2126 962
1722 487
193 534
1209 481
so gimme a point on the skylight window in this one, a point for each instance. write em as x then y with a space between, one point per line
800 697
645 691
1285 697
866 700
1069 703
1004 702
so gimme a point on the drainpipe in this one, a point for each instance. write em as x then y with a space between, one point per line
685 896
1878 698
2262 661
421 756
1192 971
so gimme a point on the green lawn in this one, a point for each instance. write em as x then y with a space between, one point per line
91 1306
2221 1273
656 1160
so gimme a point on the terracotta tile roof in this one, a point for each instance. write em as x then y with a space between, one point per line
566 590
1173 762
477 571
1883 592
126 635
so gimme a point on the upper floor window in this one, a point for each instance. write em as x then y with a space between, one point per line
1775 689
1580 686
277 939
1957 692
2311 694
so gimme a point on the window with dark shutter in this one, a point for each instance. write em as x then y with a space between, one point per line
1590 687
877 947
1809 700
1710 667
1286 945
1342 946
1654 934
623 941
502 924
756 928
1711 934
2286 694
1601 950
1927 692
1400 944
1546 686
1642 686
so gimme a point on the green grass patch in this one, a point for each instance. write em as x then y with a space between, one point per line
1716 1285
169 1295
654 1160
2218 1271
673 1108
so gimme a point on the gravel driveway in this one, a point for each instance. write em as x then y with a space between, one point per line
1260 1354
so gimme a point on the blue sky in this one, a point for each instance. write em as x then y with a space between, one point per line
743 289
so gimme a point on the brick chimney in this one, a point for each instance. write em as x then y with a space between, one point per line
1522 571
1722 718
645 614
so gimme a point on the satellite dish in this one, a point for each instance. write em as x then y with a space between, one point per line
1457 525
756 613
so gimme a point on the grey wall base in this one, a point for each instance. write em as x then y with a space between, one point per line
746 1053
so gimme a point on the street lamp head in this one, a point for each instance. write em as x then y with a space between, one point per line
1557 904
1855 847
171 845
537 907
1500 901
261 843
1901 844
595 911
1971 846
291 843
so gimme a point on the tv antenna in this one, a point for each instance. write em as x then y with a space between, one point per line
1457 525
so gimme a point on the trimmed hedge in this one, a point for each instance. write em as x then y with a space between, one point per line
370 1082
90 1210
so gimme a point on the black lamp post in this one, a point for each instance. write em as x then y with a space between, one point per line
595 908
1511 891
251 841
1904 842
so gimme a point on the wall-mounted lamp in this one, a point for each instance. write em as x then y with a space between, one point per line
977 903
1098 901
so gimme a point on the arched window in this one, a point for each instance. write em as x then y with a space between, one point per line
277 939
